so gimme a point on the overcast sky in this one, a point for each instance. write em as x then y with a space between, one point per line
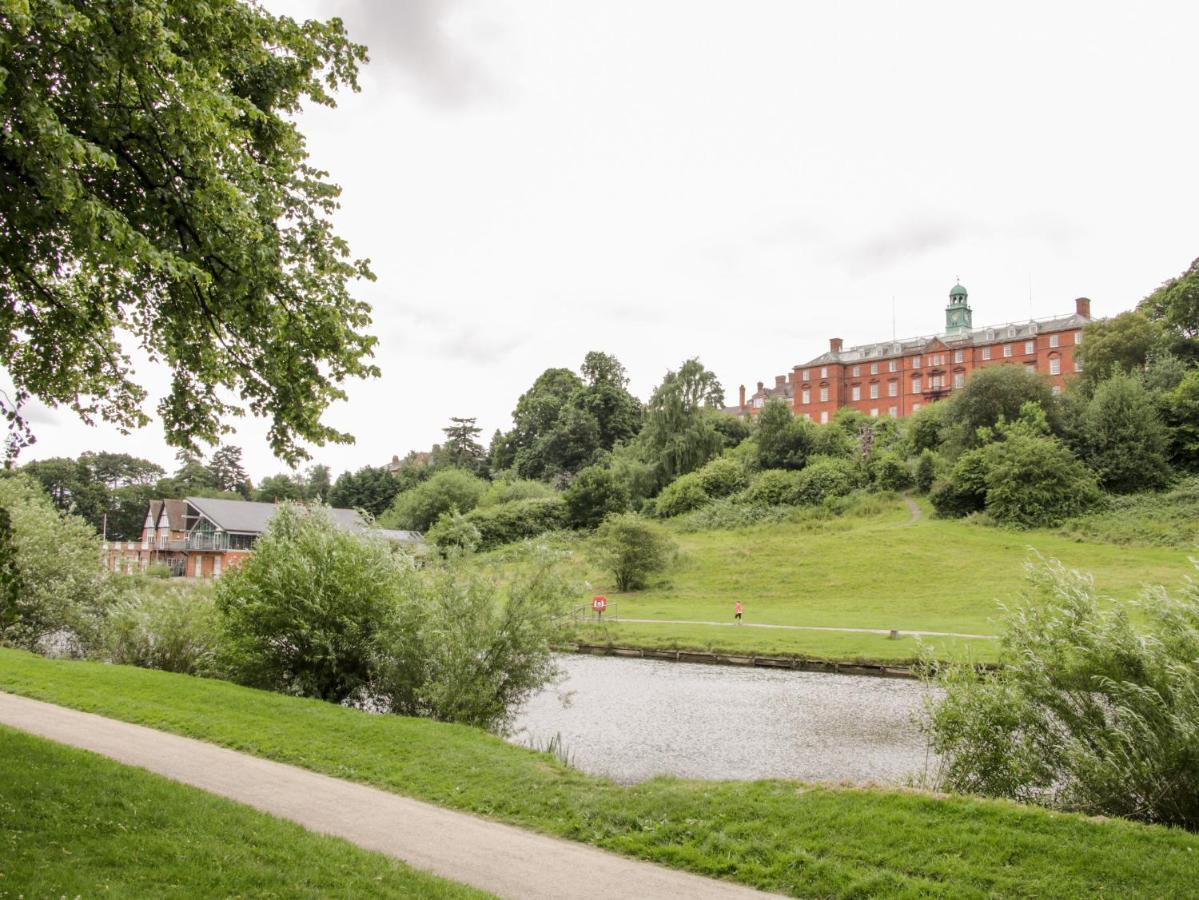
740 181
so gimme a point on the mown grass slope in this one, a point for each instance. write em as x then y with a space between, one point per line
783 836
74 824
880 569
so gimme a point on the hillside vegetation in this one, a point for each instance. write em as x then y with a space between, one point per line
802 840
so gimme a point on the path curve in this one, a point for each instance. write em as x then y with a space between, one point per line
913 508
952 634
502 859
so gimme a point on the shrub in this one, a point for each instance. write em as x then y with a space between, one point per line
926 470
595 493
890 472
1088 712
730 513
1034 480
774 487
55 588
158 570
421 506
682 495
453 531
783 441
454 652
824 478
303 613
175 630
517 520
993 394
722 477
1167 518
833 440
508 490
632 549
1123 438
964 491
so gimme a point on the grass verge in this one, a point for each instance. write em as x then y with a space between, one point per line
782 836
78 825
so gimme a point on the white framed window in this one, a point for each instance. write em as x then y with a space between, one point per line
1055 366
1007 350
874 391
1030 367
199 566
916 385
824 395
874 412
1030 347
893 366
805 396
959 379
824 371
1054 340
758 402
1077 337
857 370
892 388
959 355
856 392
874 368
935 382
824 417
986 352
803 376
894 412
915 407
915 362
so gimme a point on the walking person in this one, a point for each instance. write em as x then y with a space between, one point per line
737 612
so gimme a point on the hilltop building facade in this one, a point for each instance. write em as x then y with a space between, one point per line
897 378
202 537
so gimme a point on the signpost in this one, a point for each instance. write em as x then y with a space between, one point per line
599 604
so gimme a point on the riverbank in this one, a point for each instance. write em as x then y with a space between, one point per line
783 836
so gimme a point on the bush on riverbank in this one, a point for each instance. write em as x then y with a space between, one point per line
1089 711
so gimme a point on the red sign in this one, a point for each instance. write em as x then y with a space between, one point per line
600 603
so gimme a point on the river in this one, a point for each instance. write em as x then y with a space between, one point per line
632 719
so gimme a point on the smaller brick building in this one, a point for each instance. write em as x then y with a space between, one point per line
202 537
896 378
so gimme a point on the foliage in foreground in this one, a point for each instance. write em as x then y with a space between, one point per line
53 586
1090 712
322 612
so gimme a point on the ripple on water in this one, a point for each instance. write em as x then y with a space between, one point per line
632 719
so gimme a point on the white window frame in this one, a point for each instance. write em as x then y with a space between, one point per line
894 412
874 368
855 392
1055 365
916 385
857 370
1054 340
806 396
892 388
874 390
959 379
1007 351
1030 347
824 394
893 366
824 417
959 356
874 413
986 352
824 371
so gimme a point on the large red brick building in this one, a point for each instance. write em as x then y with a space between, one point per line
896 378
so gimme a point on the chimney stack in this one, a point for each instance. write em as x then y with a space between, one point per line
742 403
834 345
1082 307
779 380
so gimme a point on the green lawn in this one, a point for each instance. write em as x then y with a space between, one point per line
73 824
874 571
783 836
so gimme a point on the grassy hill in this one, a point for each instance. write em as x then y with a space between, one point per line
877 568
802 840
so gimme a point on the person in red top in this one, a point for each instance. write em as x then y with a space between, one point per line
737 612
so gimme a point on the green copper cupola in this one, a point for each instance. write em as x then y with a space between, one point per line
958 318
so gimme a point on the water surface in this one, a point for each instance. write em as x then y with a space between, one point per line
631 719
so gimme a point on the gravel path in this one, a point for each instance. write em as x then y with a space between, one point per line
502 859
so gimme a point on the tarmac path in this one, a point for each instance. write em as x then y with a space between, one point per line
502 859
885 631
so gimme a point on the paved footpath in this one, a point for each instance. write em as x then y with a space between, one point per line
952 634
501 859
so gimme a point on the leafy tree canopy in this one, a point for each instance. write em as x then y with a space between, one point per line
1176 305
680 434
461 449
1123 343
370 488
993 394
154 187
